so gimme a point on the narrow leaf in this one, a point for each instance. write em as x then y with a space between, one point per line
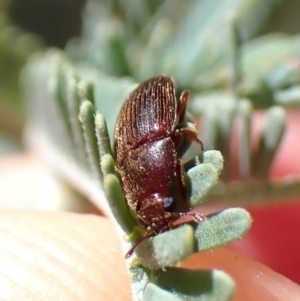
107 164
117 203
222 228
85 90
202 285
86 116
167 249
203 179
215 158
102 135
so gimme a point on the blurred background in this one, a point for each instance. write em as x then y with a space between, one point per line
257 58
26 27
30 25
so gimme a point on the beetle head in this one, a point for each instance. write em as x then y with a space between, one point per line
153 212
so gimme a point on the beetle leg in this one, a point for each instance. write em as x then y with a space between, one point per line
151 232
197 217
189 133
182 104
148 234
182 186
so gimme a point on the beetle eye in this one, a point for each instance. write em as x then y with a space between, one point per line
168 202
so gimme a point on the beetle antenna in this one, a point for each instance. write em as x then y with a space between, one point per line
197 217
148 234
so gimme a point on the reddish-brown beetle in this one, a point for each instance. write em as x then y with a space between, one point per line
148 133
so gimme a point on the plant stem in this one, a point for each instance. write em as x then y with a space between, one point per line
256 193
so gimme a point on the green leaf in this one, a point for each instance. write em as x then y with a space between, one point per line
203 179
85 90
215 158
59 86
102 135
222 228
205 20
288 97
166 249
86 116
108 165
183 285
73 102
117 203
153 292
235 53
173 246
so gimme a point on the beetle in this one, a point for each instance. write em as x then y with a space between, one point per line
149 131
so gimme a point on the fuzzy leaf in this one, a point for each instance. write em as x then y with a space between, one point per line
183 285
86 116
73 102
173 246
85 90
203 179
215 158
108 165
167 249
222 228
117 203
288 97
102 135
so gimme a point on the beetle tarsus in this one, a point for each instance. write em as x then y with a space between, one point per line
199 218
191 134
182 104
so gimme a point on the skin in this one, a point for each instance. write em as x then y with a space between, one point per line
68 256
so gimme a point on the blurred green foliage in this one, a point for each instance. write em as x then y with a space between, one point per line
15 48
